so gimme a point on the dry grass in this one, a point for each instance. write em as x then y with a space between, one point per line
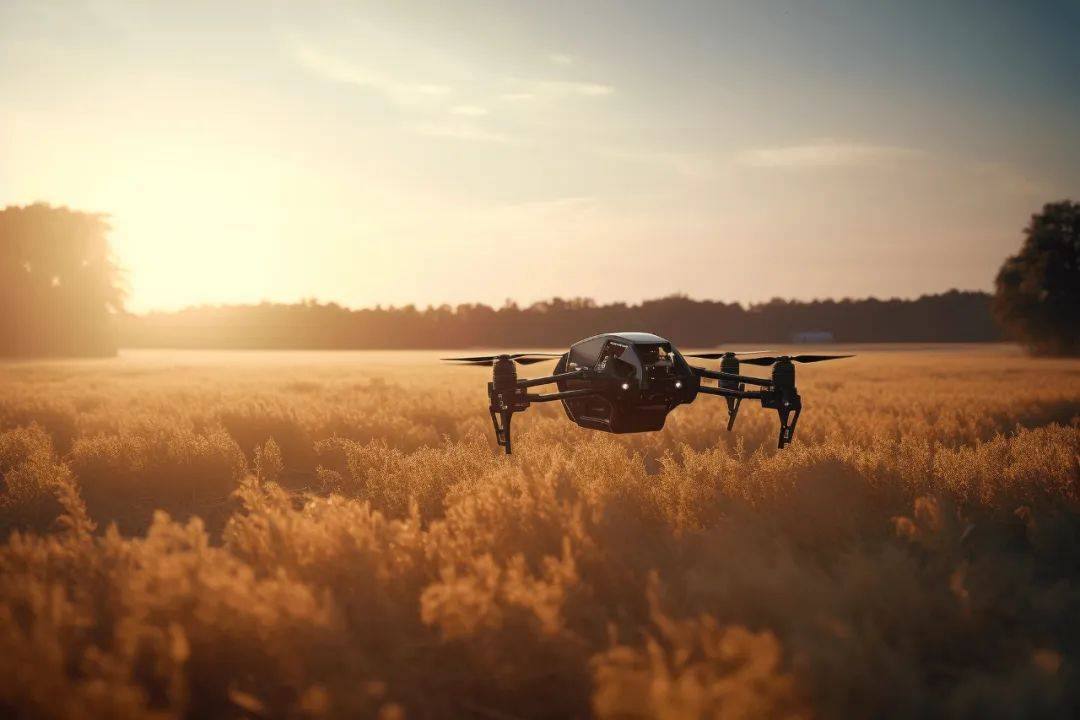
334 536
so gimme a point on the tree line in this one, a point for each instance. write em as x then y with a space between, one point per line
61 294
953 316
58 283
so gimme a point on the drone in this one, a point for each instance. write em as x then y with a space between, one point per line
628 382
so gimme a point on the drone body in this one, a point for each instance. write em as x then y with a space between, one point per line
656 377
628 382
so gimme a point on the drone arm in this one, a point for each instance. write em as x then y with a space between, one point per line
565 395
533 382
734 397
508 396
705 373
725 392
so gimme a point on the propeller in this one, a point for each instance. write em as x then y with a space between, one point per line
719 355
797 358
519 358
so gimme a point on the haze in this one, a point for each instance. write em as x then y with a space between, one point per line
416 152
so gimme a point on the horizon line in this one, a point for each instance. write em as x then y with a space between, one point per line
510 303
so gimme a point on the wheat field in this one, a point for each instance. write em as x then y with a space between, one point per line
305 535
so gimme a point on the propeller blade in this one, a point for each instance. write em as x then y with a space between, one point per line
766 361
481 363
818 358
520 358
718 355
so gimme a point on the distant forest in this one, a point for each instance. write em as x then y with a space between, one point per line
954 316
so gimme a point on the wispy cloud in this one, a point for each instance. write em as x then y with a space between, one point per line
569 87
524 89
340 70
919 166
823 153
344 68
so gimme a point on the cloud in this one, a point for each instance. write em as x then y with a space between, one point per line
1003 178
337 69
824 153
469 110
407 78
567 87
520 89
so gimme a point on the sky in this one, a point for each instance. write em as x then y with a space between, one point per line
433 152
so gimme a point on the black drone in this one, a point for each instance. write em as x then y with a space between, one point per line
628 382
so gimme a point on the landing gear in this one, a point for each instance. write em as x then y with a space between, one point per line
784 398
501 421
729 365
508 395
787 432
506 399
733 404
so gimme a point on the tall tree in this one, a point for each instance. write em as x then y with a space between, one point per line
58 282
1038 289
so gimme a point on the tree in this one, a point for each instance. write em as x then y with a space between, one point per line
1038 289
58 282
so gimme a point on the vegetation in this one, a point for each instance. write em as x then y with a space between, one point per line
1038 289
953 316
58 284
304 535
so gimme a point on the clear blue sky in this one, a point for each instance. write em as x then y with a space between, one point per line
430 152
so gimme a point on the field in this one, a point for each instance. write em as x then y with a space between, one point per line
333 535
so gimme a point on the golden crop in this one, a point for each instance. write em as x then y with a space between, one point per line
306 535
